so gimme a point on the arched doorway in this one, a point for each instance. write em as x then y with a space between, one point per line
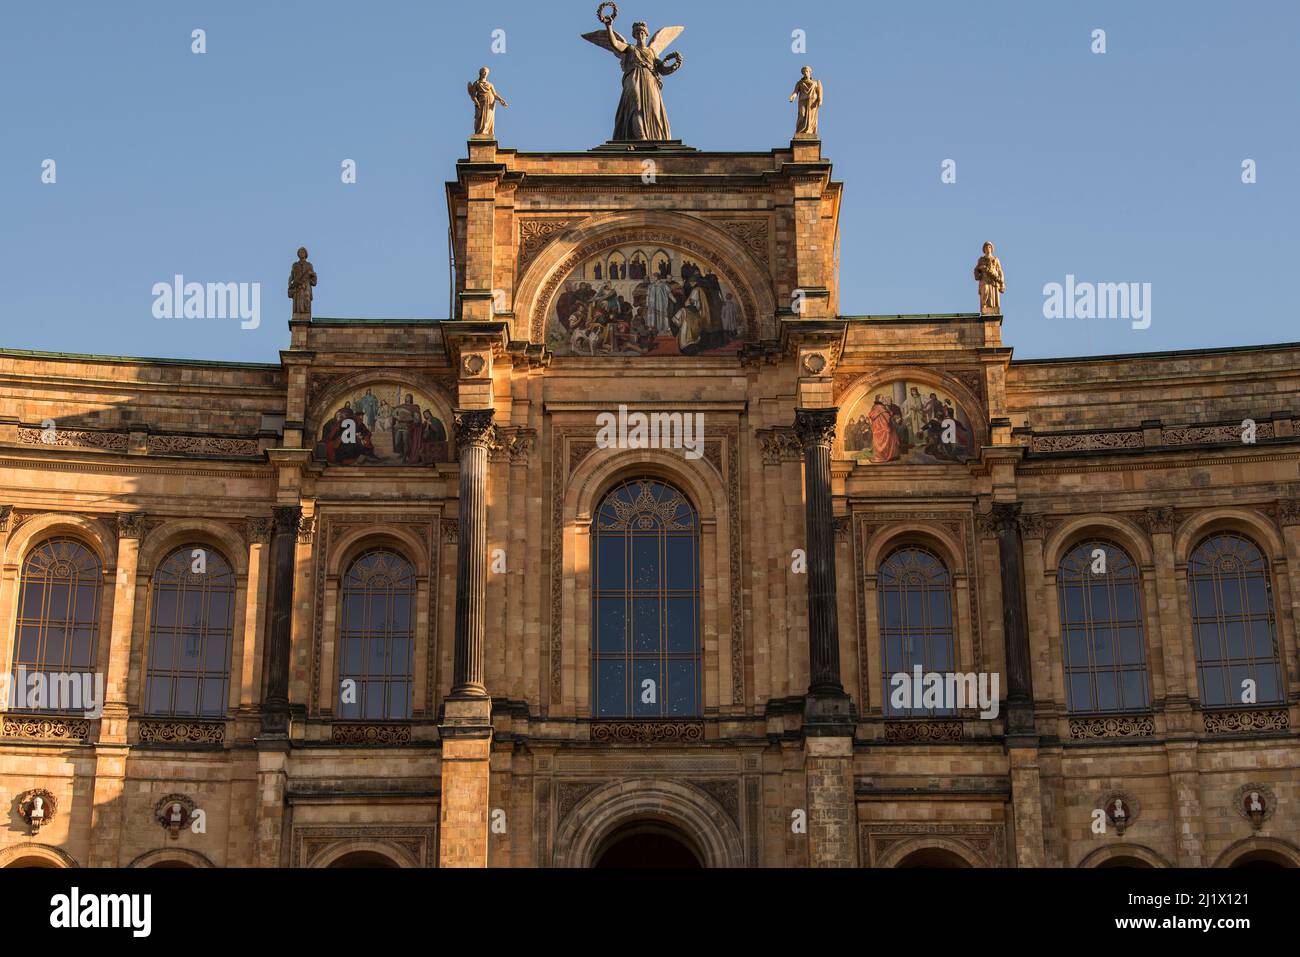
647 844
933 857
363 859
1261 861
1121 860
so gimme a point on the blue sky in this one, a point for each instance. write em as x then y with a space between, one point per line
1118 167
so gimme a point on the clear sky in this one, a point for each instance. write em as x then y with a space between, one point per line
1124 166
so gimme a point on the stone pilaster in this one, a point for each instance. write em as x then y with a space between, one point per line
1185 785
832 817
1011 552
111 747
284 539
1027 804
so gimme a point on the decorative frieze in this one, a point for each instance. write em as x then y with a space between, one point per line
182 732
923 731
1112 726
372 734
752 234
1247 721
45 729
779 445
201 445
73 438
535 234
1088 441
1212 434
512 444
647 732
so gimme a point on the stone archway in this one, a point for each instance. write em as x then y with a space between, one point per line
665 811
647 844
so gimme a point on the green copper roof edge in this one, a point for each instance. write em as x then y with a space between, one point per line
211 363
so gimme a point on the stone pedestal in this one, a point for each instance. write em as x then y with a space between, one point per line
466 756
832 817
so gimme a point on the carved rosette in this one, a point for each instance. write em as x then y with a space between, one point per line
473 427
132 525
647 732
815 426
1246 722
1159 520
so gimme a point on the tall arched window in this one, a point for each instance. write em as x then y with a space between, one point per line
57 633
191 626
915 590
645 645
377 637
1101 630
1232 621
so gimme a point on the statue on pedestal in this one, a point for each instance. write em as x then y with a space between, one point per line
486 98
302 277
992 282
641 114
809 92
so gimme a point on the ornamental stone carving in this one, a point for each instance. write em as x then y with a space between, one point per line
1246 722
474 427
647 732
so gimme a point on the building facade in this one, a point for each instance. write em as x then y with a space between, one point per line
651 554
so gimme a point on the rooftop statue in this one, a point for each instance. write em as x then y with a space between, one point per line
641 114
486 98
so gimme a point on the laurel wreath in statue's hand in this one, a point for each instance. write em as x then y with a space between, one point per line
676 59
609 18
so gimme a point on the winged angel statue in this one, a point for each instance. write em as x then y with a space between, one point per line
641 114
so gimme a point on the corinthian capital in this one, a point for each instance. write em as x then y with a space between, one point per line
815 426
131 525
473 427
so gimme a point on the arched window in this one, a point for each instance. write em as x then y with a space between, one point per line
191 625
1101 630
377 638
915 591
645 644
1232 621
57 633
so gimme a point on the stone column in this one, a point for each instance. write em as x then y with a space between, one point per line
284 539
1011 552
474 433
816 430
828 724
466 727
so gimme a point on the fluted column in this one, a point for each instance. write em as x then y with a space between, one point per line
816 430
284 539
474 434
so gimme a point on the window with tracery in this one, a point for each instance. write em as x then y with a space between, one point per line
57 631
914 589
1103 648
191 630
645 646
377 637
1237 660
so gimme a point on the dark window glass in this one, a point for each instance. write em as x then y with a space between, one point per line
376 637
1233 623
1101 630
190 634
915 596
57 631
645 603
